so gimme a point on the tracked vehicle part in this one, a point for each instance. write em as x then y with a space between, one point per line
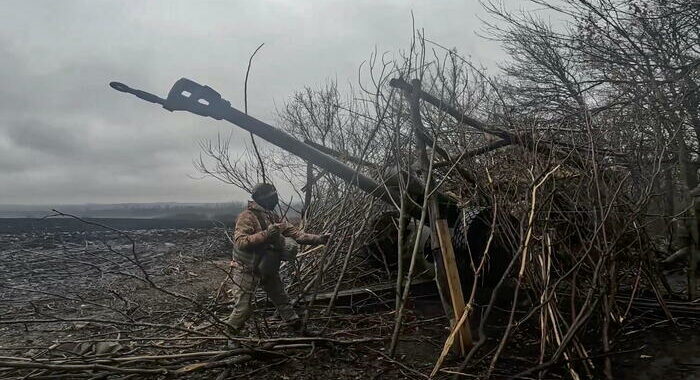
470 236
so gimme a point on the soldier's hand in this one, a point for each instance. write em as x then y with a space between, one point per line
274 230
323 239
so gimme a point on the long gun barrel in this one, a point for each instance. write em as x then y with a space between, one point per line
187 95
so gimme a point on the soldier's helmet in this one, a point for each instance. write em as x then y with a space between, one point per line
263 190
265 195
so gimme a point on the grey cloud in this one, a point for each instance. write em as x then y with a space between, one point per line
40 137
66 137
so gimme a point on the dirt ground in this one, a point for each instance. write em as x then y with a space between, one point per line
664 353
195 261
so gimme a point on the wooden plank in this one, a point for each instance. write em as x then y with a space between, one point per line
454 283
440 234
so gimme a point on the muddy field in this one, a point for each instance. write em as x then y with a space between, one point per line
101 295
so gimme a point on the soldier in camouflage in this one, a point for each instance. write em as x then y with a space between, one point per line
261 240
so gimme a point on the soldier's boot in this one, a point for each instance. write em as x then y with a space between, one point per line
294 326
290 319
275 291
297 327
233 330
232 344
239 315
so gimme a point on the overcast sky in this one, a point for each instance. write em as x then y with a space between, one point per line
66 137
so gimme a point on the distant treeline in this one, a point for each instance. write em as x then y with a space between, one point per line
224 212
48 225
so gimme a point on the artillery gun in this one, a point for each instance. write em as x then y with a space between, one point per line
470 228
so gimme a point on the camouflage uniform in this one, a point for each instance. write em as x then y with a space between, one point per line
257 256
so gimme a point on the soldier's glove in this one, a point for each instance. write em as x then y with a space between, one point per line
323 239
274 231
290 250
